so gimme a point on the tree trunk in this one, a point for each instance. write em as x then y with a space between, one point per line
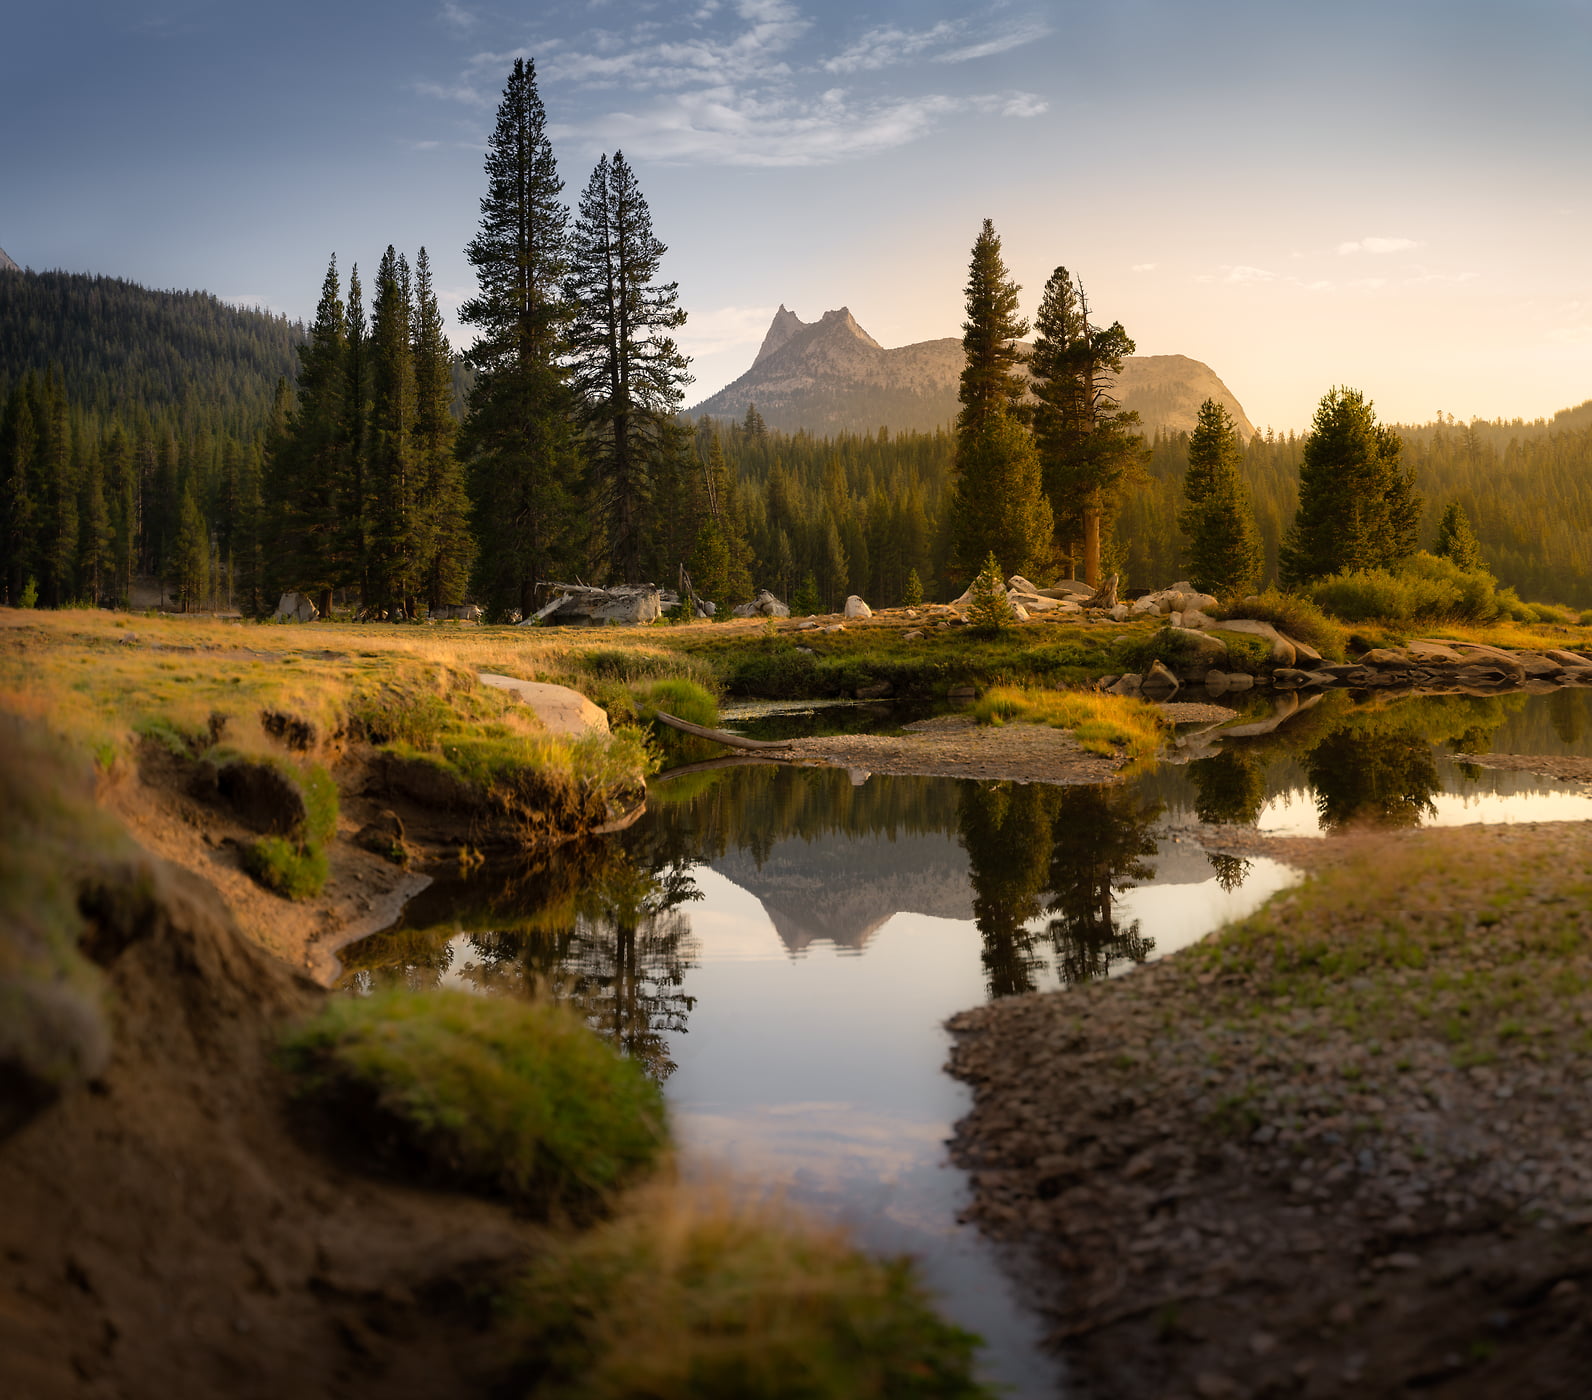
1091 546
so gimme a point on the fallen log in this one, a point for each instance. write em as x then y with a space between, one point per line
719 736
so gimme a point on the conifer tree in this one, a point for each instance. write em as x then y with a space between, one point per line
519 437
445 543
190 560
913 595
1357 503
627 366
349 542
18 503
991 384
999 505
309 460
391 473
1088 445
1456 540
57 492
988 607
1224 548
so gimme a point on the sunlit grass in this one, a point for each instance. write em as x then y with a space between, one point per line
1113 725
734 1301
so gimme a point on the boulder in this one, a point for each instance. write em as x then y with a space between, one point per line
1385 658
1291 678
1120 612
1283 652
1202 648
1432 654
1018 584
962 692
855 609
1159 679
765 604
1033 602
1538 666
1216 681
912 636
1305 655
1129 684
454 612
1019 612
295 607
1568 659
879 690
1344 675
1240 680
560 709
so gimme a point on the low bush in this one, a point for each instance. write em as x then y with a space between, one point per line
1294 616
1425 588
732 1302
516 1098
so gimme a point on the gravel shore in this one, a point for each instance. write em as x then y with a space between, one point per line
1344 1148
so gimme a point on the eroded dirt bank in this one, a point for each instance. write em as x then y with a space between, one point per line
1344 1148
166 1232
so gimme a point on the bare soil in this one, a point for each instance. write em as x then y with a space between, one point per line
955 746
168 1232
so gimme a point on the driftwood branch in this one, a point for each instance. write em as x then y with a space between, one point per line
719 736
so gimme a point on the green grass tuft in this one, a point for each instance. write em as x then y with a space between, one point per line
286 868
731 1302
516 1098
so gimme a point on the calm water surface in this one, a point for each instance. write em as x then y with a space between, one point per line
781 946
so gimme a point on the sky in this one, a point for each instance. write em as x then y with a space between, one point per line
1393 196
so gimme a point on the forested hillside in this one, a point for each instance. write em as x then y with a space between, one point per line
143 418
189 360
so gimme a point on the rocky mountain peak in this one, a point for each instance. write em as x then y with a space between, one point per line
6 264
785 326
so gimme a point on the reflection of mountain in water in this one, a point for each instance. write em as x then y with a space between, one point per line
845 888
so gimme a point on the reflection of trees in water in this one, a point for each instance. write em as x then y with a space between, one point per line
1231 871
1099 838
1063 851
1230 787
1388 778
1567 713
599 926
1005 829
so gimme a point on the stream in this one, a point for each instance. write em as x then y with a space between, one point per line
780 946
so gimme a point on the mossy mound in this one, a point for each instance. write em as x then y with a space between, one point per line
733 1303
513 1098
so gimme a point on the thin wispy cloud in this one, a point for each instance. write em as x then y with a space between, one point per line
739 84
725 328
456 17
1377 245
949 41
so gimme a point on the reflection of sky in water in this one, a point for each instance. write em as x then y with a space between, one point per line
1467 801
821 1070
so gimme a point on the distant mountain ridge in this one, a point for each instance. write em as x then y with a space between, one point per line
830 375
7 263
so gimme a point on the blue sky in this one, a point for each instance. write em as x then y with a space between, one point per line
1393 196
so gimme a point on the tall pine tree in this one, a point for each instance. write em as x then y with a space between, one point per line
999 505
1087 444
520 437
1224 551
1358 508
392 478
628 369
444 539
